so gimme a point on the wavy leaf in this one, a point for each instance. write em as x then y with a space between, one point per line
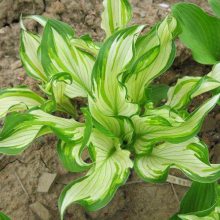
215 73
97 188
154 54
18 99
109 94
59 55
86 44
40 19
114 126
163 124
191 157
184 130
20 130
65 129
70 153
29 45
180 95
159 117
116 15
59 83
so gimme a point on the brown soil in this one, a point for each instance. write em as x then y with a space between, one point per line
133 201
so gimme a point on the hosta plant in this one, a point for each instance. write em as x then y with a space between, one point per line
131 121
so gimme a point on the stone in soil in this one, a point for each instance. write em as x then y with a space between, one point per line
40 211
46 180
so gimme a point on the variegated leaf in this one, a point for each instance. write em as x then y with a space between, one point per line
62 101
71 153
59 55
29 46
40 19
110 171
184 130
20 130
154 54
163 124
116 15
114 126
154 118
18 99
65 129
215 73
109 95
86 44
180 95
191 157
57 86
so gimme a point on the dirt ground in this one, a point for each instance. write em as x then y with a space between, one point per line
140 201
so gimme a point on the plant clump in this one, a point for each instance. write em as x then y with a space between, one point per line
127 123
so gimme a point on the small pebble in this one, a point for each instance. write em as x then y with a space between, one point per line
46 180
164 5
40 211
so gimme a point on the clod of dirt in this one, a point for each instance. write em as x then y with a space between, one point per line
209 124
216 154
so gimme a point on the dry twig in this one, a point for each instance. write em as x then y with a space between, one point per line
22 186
